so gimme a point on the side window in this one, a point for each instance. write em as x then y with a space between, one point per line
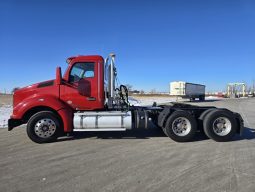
89 70
89 74
82 70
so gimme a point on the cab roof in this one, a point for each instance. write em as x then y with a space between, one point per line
84 57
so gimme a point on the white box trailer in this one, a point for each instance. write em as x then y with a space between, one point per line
187 90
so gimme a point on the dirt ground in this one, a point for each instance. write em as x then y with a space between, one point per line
136 160
5 99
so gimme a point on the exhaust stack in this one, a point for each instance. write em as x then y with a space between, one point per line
110 78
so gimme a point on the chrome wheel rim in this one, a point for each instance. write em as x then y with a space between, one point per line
222 126
45 128
181 126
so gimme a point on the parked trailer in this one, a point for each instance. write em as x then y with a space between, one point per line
187 90
86 99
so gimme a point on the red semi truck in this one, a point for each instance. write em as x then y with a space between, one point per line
87 99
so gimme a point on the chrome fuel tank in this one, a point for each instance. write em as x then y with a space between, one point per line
102 120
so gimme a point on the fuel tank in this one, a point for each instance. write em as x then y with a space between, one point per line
103 120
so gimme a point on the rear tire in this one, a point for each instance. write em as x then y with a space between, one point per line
43 127
220 125
201 98
192 99
181 126
164 131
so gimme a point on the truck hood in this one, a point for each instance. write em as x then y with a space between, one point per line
30 90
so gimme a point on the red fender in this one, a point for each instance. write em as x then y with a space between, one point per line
53 102
67 118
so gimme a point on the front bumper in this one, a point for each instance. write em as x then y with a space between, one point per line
12 123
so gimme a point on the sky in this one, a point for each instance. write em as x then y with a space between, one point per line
210 42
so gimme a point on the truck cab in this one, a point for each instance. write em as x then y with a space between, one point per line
82 87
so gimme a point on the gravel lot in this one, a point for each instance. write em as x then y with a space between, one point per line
141 160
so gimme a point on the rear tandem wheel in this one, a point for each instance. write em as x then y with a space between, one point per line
220 125
181 126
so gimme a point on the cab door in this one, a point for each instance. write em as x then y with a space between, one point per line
81 90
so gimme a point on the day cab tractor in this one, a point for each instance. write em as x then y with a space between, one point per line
86 98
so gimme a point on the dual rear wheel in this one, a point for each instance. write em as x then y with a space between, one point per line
181 126
218 124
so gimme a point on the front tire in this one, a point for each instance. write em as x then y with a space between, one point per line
181 126
43 127
220 125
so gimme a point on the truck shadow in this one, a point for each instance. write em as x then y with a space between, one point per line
248 134
129 134
205 101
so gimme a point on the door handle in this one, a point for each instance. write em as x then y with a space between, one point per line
91 98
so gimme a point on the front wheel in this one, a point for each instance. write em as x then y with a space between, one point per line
181 126
220 125
43 127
